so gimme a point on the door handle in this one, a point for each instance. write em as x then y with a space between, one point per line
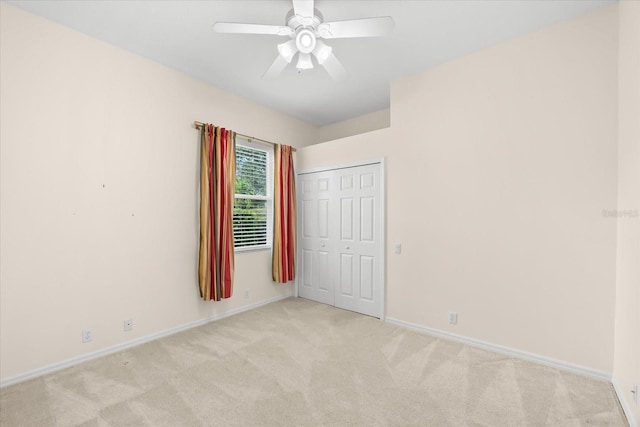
348 248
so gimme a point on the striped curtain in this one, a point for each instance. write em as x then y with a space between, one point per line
284 215
217 193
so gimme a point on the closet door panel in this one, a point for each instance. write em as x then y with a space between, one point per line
346 275
346 219
307 268
323 218
315 271
366 277
363 242
324 273
367 206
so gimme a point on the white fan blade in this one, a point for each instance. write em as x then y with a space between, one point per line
367 27
240 28
335 68
303 8
276 68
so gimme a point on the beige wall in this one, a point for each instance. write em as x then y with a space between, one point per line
358 125
498 167
626 370
99 178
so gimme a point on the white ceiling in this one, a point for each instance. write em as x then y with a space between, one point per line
178 34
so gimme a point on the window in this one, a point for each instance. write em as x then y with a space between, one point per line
253 204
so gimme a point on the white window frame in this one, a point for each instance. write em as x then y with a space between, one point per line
268 149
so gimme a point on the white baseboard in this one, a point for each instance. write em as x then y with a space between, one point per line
626 406
543 360
123 346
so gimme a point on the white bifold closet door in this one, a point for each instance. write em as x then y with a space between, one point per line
341 255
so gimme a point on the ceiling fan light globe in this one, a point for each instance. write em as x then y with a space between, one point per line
322 52
306 41
287 50
304 62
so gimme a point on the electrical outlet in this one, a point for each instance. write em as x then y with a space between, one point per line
635 393
397 248
87 336
453 317
128 325
246 294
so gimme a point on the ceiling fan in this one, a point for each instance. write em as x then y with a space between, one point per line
305 28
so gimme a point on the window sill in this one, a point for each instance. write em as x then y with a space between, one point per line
252 249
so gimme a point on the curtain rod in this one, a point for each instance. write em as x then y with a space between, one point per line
199 125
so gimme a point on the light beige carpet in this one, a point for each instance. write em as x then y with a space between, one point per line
299 363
